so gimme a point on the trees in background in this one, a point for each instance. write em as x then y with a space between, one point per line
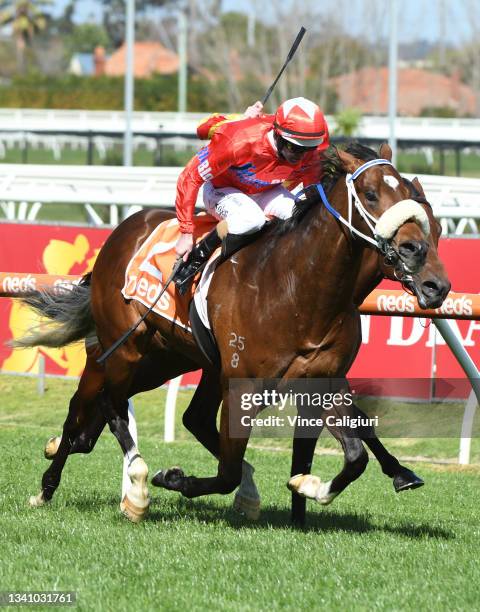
234 56
27 18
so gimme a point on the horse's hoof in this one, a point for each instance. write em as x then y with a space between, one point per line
250 508
311 487
168 479
305 485
51 447
407 480
36 501
134 513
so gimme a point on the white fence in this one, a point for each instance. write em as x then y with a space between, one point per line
24 188
40 120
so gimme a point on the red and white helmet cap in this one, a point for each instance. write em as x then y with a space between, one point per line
302 122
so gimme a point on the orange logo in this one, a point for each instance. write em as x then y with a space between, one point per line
59 257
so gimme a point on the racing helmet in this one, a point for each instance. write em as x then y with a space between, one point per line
301 122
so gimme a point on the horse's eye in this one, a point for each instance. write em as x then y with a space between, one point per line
371 196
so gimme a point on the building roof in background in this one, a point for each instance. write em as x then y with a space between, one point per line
150 58
367 90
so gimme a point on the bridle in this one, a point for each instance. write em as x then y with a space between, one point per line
385 227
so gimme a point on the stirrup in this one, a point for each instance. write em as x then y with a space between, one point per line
197 259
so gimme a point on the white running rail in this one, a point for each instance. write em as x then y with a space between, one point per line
409 128
24 188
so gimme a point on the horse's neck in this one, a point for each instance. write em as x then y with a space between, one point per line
328 271
370 275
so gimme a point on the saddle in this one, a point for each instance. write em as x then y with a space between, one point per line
152 264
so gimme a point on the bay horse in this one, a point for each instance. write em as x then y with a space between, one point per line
304 276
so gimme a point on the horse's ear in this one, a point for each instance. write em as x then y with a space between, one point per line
386 151
418 186
349 163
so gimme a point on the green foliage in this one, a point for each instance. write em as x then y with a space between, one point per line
86 36
8 63
347 122
64 24
26 16
438 111
107 93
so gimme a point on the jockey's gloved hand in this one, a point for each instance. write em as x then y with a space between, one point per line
184 246
254 111
308 194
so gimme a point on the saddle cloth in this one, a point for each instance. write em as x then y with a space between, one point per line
152 264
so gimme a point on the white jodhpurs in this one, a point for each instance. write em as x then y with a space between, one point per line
244 213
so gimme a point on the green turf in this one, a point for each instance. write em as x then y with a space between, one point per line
416 163
165 155
372 549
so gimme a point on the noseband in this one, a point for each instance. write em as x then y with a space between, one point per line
386 226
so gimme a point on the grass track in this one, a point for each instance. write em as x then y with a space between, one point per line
370 549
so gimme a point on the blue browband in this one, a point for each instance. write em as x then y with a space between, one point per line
369 164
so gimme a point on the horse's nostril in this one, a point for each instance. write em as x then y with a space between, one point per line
430 288
435 288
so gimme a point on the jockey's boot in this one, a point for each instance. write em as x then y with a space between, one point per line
234 242
197 259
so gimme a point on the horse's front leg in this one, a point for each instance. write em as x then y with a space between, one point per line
302 457
200 419
355 455
403 478
229 474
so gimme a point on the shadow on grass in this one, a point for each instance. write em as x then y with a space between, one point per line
171 508
279 518
174 509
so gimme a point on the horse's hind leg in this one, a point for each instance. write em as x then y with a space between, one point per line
88 410
64 444
79 412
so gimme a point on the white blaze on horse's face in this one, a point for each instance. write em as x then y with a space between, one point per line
391 181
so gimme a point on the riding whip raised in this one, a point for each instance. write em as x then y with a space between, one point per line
291 53
123 338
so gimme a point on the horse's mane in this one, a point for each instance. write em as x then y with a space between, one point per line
332 171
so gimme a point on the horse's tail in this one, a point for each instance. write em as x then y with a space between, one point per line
68 313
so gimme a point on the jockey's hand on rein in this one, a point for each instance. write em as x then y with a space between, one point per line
309 194
184 246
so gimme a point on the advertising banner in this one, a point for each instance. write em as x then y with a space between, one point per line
392 347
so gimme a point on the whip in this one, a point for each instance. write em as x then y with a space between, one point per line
123 338
291 53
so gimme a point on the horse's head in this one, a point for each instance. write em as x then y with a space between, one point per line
394 216
431 284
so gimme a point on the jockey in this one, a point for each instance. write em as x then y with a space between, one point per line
243 171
